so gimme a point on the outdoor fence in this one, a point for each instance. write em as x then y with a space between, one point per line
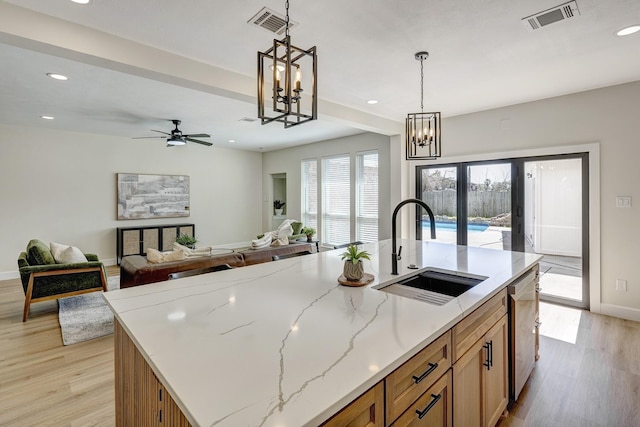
484 204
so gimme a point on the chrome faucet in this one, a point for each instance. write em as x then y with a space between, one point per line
396 256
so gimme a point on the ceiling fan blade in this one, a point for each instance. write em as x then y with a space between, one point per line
153 130
197 141
197 135
145 137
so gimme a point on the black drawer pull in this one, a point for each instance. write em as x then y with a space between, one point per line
489 362
432 367
431 404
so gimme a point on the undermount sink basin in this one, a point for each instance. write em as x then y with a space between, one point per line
434 286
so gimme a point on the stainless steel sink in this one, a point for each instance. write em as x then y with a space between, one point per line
434 286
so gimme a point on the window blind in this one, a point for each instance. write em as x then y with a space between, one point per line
309 208
367 197
336 200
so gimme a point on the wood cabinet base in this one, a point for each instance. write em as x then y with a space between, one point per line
141 400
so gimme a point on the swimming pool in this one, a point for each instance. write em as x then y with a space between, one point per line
452 226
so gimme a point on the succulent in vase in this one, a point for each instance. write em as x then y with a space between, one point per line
309 231
278 204
353 265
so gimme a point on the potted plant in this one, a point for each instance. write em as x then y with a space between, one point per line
353 265
309 231
186 240
278 205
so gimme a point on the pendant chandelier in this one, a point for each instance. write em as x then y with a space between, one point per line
423 129
282 66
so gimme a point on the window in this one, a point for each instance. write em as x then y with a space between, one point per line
367 197
309 208
336 200
340 200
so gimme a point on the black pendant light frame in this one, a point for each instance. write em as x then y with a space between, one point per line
423 130
286 101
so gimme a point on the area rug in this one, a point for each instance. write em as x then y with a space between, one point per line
87 316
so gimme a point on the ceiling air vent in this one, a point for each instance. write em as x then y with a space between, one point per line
549 16
271 21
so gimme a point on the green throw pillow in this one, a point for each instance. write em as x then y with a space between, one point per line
38 253
297 226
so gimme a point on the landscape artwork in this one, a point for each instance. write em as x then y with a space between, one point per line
152 196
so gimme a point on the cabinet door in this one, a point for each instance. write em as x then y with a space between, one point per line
433 408
468 404
365 411
404 385
496 383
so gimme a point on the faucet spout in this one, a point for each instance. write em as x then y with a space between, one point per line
394 253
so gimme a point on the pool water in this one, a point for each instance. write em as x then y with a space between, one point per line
452 226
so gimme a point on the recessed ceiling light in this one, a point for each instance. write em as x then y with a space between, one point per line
81 1
372 101
626 31
232 140
47 117
57 76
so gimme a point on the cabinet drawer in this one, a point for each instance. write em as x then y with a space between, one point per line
365 411
414 377
474 326
433 408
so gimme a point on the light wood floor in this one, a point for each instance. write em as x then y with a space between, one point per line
594 382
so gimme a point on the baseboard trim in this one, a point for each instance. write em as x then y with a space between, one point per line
620 311
8 275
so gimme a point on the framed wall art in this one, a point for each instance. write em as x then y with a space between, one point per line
142 196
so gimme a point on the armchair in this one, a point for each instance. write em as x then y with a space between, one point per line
43 279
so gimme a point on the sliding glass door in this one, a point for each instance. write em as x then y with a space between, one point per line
537 205
553 226
438 188
488 194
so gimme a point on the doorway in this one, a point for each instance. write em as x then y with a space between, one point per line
537 205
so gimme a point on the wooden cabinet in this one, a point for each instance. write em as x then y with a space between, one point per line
365 411
136 240
433 408
141 399
480 380
418 393
412 379
480 371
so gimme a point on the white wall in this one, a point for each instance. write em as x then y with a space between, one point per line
288 161
608 116
61 186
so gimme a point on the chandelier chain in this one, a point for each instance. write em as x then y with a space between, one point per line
286 6
421 85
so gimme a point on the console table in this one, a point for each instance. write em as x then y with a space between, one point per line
136 240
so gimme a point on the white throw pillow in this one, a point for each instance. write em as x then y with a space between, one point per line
71 255
154 256
57 249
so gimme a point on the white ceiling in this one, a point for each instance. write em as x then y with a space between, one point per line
481 57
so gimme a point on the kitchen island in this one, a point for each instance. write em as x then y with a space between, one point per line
282 343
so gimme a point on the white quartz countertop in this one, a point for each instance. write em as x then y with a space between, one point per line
282 343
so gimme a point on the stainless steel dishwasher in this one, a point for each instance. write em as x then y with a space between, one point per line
523 329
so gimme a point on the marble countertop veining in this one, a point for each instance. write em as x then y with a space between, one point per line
282 343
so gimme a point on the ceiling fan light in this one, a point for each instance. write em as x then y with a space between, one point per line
176 141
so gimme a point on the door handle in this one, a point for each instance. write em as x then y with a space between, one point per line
432 367
489 362
435 398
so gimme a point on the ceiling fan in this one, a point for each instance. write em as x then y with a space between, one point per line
176 137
